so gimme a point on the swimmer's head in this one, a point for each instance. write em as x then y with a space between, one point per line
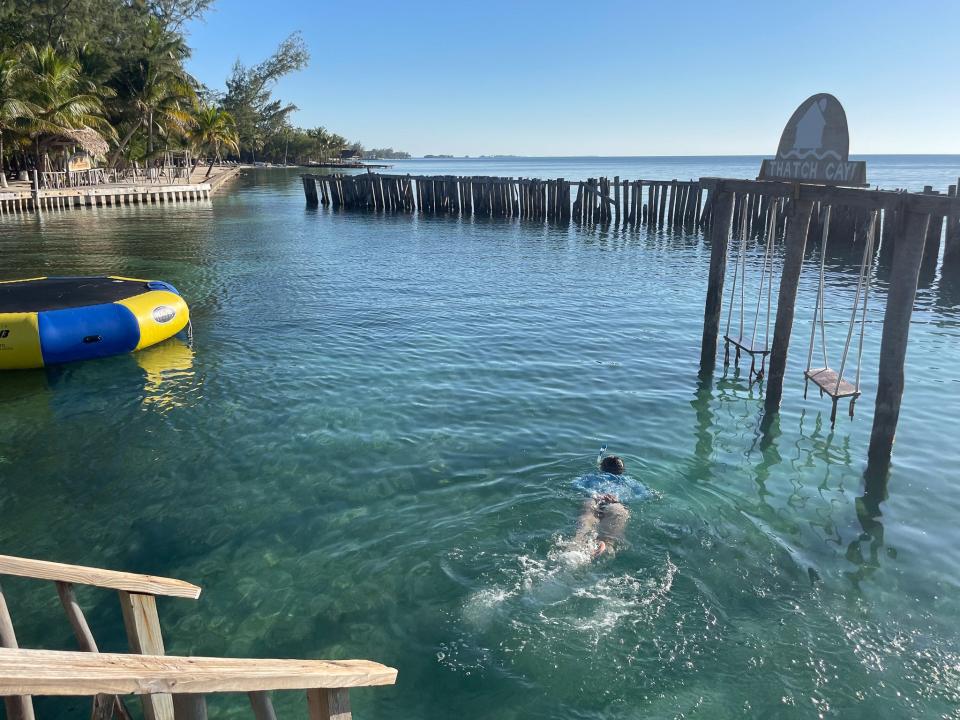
612 464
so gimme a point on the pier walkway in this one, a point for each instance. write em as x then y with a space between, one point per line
20 197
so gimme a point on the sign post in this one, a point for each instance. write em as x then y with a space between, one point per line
815 147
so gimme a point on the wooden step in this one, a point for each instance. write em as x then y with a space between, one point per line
53 672
747 346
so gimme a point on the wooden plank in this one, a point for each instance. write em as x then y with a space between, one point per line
54 672
826 380
746 345
18 706
795 244
329 704
852 197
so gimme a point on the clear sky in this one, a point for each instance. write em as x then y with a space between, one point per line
606 78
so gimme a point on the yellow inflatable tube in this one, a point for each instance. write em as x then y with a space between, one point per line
52 320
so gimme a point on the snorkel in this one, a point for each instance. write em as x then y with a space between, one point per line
603 449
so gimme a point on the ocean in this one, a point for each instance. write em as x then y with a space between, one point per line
374 448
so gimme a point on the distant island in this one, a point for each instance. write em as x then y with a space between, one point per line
435 157
385 154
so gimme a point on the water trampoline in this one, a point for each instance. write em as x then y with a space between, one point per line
51 320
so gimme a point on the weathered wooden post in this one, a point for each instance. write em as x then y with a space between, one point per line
326 704
904 274
616 198
931 246
18 707
719 236
35 191
142 624
795 244
951 248
310 190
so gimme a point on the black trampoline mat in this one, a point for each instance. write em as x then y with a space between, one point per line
65 292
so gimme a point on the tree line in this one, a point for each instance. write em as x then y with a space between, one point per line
109 77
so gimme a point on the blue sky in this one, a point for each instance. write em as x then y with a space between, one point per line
609 78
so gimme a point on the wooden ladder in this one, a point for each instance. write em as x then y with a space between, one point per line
171 688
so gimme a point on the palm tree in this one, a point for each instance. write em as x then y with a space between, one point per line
320 139
336 144
213 129
63 98
14 107
154 90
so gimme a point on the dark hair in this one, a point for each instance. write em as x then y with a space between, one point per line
612 464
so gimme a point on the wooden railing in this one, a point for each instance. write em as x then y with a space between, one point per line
171 688
168 175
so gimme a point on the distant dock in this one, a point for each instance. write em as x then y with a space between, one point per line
349 165
22 198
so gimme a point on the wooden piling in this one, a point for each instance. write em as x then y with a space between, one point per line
904 274
795 244
931 246
310 189
719 238
951 248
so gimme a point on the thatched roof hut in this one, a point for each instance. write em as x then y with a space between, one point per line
86 138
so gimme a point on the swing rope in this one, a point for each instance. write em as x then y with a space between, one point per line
766 275
766 279
862 290
766 271
733 289
818 307
773 232
863 285
743 269
739 273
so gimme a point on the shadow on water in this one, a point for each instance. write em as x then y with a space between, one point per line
948 293
864 551
819 446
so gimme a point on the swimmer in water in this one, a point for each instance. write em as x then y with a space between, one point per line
604 517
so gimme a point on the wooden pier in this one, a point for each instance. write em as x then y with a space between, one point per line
26 199
614 201
910 228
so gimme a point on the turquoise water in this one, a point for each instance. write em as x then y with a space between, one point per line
372 450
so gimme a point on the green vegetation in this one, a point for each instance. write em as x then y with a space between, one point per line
108 77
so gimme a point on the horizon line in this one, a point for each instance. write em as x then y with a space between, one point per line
488 156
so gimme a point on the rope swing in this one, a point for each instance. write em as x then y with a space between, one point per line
740 342
831 382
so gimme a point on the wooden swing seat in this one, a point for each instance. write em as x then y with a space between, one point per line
826 380
746 346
